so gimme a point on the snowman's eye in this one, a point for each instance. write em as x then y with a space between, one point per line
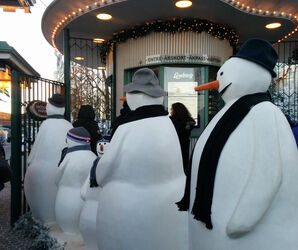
221 73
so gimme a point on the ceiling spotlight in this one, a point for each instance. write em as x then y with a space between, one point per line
183 4
98 40
273 25
79 58
104 16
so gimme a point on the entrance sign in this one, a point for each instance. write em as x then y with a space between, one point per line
204 59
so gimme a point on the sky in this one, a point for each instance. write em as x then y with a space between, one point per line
23 32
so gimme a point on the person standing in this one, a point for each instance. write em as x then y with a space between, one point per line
119 119
183 123
85 119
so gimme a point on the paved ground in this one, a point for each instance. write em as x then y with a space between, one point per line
8 239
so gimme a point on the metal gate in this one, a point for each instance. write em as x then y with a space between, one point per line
89 84
25 89
284 90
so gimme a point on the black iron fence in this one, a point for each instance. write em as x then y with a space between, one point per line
89 84
284 89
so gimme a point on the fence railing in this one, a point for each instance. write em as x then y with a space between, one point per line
89 84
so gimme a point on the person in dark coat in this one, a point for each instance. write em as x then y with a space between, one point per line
295 132
85 119
183 123
5 172
119 119
294 128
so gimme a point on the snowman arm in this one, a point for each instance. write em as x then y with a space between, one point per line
35 146
265 176
84 188
108 162
60 171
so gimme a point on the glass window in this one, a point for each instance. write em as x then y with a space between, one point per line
180 83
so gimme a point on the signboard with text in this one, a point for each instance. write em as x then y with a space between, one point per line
204 59
37 110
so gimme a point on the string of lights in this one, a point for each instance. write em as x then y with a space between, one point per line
234 3
171 26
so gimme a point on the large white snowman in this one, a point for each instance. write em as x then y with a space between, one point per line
254 204
39 183
70 177
141 176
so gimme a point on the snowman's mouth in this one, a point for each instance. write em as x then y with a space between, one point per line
224 89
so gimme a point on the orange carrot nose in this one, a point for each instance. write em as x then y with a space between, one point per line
207 86
123 99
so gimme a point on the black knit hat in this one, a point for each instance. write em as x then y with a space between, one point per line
79 134
57 100
259 51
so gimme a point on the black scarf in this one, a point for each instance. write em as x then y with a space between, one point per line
93 182
209 159
142 113
67 150
55 117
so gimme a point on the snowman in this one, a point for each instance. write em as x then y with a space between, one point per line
90 194
39 183
102 145
70 177
140 179
87 224
243 187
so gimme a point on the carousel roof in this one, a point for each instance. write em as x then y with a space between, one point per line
247 17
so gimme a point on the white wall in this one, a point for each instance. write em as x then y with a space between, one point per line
133 52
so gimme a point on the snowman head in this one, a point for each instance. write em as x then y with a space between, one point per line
56 105
249 71
144 89
101 147
53 110
77 136
136 100
239 77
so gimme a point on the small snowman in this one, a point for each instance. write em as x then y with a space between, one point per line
70 177
242 191
39 183
102 144
90 194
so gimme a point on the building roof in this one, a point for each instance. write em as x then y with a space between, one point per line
247 17
19 3
12 5
11 57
